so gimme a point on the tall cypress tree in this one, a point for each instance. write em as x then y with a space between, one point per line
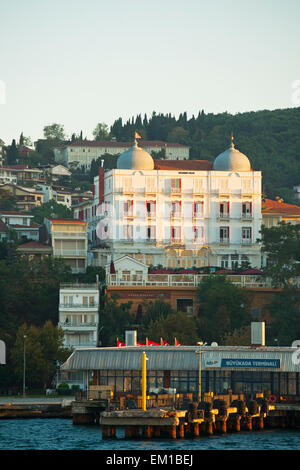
12 154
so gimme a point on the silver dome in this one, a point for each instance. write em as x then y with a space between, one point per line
135 158
232 160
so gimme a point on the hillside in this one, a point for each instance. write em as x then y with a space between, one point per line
271 140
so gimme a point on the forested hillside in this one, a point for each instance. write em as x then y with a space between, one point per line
271 140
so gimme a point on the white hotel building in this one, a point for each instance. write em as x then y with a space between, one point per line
183 214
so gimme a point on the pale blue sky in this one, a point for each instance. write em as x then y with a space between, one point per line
83 62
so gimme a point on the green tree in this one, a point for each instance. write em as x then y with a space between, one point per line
175 325
224 307
157 310
23 140
12 153
284 310
114 320
43 347
238 337
101 131
8 202
281 244
54 131
51 209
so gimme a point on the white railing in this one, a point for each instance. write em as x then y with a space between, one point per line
78 306
69 234
246 241
63 252
77 325
68 285
190 280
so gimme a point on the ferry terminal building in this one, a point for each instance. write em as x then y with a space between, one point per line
243 369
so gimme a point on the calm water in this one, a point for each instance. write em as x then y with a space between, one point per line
61 434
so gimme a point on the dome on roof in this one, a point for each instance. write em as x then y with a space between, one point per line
135 158
232 160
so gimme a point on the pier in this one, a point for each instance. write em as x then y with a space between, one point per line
22 408
185 418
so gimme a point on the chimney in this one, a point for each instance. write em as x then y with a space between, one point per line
130 338
257 334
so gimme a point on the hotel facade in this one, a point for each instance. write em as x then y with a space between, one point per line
177 214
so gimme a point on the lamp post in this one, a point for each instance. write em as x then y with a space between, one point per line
144 381
200 344
24 365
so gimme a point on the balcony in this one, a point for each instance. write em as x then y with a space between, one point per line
67 285
246 216
246 241
78 306
224 216
70 253
190 280
224 241
87 325
69 234
175 215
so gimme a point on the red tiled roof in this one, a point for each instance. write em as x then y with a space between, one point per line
185 165
141 143
72 221
16 167
34 245
276 207
15 213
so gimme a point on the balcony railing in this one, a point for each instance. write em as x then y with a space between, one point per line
69 234
77 325
246 241
68 285
224 241
81 253
78 306
190 280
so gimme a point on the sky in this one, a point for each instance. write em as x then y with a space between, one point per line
78 63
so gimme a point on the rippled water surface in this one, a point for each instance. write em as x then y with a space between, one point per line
61 434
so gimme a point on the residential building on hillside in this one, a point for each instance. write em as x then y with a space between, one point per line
35 250
59 194
274 212
82 153
21 223
178 214
79 314
68 238
54 172
8 175
26 198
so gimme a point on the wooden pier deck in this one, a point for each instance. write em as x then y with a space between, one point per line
204 418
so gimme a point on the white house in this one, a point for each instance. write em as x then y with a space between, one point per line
126 268
21 223
79 314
